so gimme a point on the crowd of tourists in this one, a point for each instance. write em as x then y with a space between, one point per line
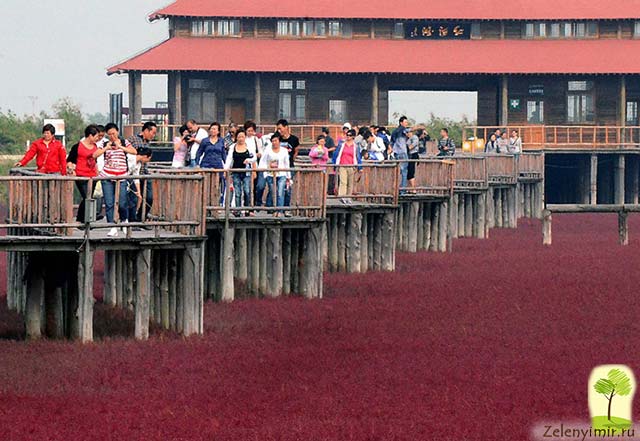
260 165
116 164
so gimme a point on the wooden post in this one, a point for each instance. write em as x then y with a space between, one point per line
481 220
129 280
364 245
594 179
527 200
623 228
635 178
546 227
35 298
377 242
453 219
174 95
164 287
227 264
504 101
499 213
342 242
143 293
420 225
491 209
286 261
388 244
375 100
191 290
427 226
84 313
435 228
354 237
135 97
619 184
274 261
468 215
333 242
295 260
257 105
444 227
263 284
461 214
414 207
173 289
312 264
241 253
513 201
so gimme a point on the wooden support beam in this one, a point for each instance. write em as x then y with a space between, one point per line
312 266
461 215
468 215
546 227
623 228
354 241
174 95
594 179
227 265
619 179
143 294
35 298
135 97
443 227
257 105
286 261
412 243
274 247
388 244
84 312
375 100
481 221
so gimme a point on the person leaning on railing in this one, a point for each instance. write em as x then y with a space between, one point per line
141 141
515 143
49 153
81 162
446 146
115 152
277 158
211 154
348 156
181 147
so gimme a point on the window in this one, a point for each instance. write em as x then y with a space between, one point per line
334 28
301 101
580 102
398 30
580 29
288 28
292 101
475 30
308 28
535 112
632 113
636 29
337 111
321 28
218 28
201 105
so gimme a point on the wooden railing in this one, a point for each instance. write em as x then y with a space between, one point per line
377 183
433 177
502 169
471 173
306 133
44 204
531 165
308 192
565 137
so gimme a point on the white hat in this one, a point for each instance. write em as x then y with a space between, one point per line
347 125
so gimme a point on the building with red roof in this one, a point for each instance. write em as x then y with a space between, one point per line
530 62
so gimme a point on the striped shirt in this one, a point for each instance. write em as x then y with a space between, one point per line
115 162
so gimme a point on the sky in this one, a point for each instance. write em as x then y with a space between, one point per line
54 49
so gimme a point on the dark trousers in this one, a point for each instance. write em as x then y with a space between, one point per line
82 187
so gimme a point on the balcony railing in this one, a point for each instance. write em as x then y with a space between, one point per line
565 137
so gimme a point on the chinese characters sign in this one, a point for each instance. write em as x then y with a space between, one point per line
427 30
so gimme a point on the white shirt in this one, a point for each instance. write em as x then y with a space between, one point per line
199 136
270 158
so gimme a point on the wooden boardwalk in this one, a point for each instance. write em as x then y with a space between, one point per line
196 245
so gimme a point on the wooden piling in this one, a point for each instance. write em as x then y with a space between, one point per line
227 270
546 227
35 299
461 215
412 233
468 215
142 294
443 228
84 312
333 243
354 237
623 228
388 244
274 246
364 245
286 261
426 221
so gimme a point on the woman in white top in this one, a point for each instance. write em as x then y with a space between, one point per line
515 143
277 158
181 148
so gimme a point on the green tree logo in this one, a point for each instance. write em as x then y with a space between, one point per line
616 383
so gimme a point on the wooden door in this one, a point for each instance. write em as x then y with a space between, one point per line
234 111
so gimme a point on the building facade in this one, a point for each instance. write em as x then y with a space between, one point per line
531 63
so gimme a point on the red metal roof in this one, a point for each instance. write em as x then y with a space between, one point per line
407 9
366 56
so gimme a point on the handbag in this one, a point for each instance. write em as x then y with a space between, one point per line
97 190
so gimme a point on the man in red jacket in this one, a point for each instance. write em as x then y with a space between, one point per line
51 157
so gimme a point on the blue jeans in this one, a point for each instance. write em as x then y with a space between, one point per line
126 200
242 185
281 182
404 168
260 184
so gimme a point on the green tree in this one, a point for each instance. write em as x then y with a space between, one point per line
97 118
74 122
616 383
16 131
